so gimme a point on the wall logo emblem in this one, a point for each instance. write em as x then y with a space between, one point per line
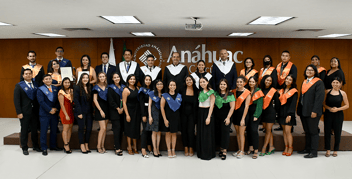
144 50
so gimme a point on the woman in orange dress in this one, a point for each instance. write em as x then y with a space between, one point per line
66 112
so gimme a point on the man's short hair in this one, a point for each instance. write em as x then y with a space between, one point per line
27 69
59 48
127 50
285 51
150 56
104 53
35 54
46 75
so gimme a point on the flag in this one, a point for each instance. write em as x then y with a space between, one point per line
112 60
123 50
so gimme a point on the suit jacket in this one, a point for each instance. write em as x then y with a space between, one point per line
111 69
231 77
137 72
312 100
82 105
64 63
45 103
23 103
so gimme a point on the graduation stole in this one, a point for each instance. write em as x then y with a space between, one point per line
306 86
156 99
219 101
250 74
55 77
267 72
30 92
50 95
63 63
117 89
173 104
268 98
257 94
241 98
196 78
144 90
154 73
204 96
284 96
68 96
103 94
320 69
285 72
35 70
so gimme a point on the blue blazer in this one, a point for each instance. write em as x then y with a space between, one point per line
64 63
111 70
47 100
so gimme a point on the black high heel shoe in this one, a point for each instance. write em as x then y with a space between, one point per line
84 152
119 153
67 151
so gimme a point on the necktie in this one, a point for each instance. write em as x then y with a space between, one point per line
50 90
150 68
128 67
104 68
30 85
32 66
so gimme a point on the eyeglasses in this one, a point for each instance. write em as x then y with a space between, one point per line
60 51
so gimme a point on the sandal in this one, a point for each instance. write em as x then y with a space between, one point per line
249 152
169 154
255 155
135 151
334 154
289 153
271 152
191 153
102 152
174 153
130 151
327 155
240 155
236 153
261 154
145 156
223 156
284 153
118 153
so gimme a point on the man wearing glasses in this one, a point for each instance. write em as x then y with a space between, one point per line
59 57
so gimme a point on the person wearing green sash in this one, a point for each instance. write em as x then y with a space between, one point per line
225 105
205 125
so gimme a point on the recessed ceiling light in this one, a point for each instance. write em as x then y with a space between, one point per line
148 34
268 20
334 35
122 19
3 23
240 34
50 34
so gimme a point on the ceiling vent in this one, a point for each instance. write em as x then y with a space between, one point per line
75 29
309 30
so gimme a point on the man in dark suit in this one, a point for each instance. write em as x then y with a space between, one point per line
175 71
59 57
224 69
128 67
105 67
27 110
47 96
38 70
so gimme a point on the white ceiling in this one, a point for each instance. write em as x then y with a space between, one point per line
167 18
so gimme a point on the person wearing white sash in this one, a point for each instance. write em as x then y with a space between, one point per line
200 72
224 69
151 70
176 72
128 67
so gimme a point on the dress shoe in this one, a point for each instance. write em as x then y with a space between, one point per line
303 151
38 149
45 152
25 152
310 155
56 149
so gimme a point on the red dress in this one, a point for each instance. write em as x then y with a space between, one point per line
68 107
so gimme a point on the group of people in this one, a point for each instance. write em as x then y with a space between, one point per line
201 105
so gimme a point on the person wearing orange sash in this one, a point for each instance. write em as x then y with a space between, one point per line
86 66
254 113
310 108
249 70
287 118
54 71
335 71
66 112
285 68
271 105
240 115
321 70
38 70
268 69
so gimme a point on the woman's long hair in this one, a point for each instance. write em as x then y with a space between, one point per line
106 78
144 85
51 69
262 83
81 86
256 81
227 90
62 84
88 61
128 79
293 84
208 86
156 93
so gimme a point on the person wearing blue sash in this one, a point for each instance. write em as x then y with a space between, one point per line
132 113
170 109
59 58
48 113
26 105
116 111
100 99
205 125
144 102
155 120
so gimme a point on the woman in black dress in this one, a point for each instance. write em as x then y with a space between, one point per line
155 120
225 105
132 113
205 125
315 60
241 117
82 98
287 112
100 99
115 111
334 72
200 72
249 70
144 102
271 105
189 108
333 117
170 110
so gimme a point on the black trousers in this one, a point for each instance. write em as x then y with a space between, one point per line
252 133
222 133
86 121
29 121
310 126
336 124
116 129
146 137
187 130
